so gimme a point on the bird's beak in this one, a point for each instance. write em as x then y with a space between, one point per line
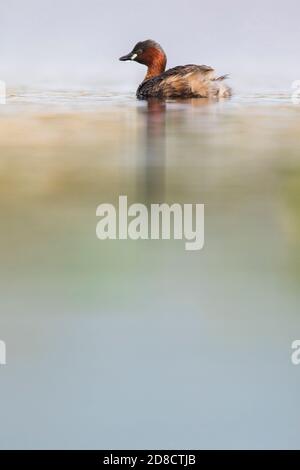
130 56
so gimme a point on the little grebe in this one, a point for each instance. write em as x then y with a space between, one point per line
183 81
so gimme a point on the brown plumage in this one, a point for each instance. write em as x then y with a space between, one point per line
184 81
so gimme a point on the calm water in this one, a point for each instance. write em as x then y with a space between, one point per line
143 344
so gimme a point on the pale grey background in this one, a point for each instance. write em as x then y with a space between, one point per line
75 41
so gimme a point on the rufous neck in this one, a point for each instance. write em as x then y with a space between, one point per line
156 68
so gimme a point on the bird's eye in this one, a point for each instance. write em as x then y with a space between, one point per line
139 51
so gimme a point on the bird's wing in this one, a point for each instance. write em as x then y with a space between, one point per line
185 70
183 80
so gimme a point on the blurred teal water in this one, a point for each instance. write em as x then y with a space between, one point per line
124 344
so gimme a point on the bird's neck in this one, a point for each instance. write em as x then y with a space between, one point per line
156 67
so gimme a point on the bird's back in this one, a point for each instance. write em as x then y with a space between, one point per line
184 81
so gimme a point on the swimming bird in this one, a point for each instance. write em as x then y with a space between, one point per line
183 81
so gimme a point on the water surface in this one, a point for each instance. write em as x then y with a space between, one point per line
124 344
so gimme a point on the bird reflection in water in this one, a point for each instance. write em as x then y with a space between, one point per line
152 172
151 178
